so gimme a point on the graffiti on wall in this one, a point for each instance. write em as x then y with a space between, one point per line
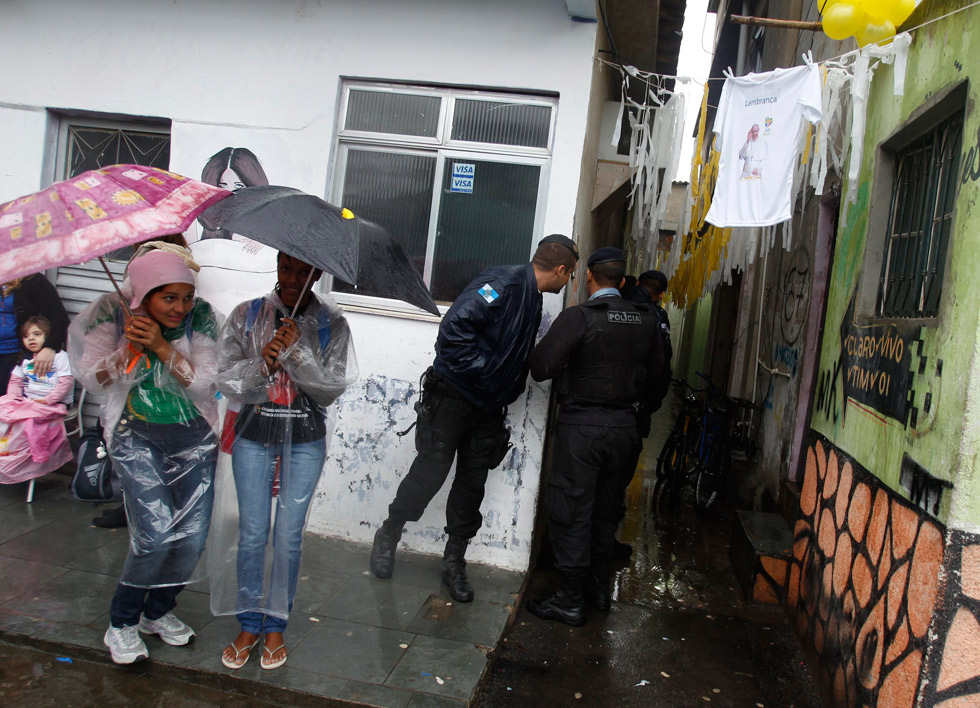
951 677
827 403
971 162
863 581
925 490
796 296
876 362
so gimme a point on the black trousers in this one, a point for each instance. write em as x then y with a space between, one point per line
129 602
452 428
584 495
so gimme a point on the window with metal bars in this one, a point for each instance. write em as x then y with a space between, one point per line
920 221
91 144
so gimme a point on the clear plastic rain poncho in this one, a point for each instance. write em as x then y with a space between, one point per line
161 434
274 445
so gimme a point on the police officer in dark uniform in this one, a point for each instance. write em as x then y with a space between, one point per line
647 292
605 356
480 368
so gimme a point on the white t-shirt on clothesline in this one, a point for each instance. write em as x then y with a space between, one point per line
758 123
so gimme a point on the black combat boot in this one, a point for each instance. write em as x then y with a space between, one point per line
454 569
383 553
567 605
622 551
597 590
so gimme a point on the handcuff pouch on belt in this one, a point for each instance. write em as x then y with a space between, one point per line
489 450
500 445
425 439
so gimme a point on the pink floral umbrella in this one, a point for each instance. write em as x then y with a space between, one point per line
94 213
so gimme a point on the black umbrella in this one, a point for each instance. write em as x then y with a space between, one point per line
355 250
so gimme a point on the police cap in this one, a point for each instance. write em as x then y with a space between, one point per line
656 276
605 255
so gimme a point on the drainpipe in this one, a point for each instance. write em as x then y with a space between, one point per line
757 354
743 41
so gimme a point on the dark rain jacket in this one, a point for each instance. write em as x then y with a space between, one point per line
642 298
485 338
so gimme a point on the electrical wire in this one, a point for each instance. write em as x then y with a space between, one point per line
645 74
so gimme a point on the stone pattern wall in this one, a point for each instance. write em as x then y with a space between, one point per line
863 582
952 675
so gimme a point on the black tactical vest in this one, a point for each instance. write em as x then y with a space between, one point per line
620 350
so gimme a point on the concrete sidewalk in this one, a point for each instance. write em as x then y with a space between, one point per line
352 638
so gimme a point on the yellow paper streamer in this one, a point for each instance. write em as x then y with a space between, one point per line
703 247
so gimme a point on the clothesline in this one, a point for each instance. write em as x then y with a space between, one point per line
837 60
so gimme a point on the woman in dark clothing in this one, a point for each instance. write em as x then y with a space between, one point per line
19 300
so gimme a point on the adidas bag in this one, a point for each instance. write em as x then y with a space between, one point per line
93 480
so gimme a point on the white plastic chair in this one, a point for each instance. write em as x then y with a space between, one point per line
74 415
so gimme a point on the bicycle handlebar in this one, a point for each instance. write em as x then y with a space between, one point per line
717 392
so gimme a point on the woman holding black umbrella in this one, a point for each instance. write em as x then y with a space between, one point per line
284 358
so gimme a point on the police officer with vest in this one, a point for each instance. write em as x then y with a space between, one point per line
480 368
606 356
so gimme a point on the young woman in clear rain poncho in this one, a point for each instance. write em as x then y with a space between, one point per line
155 369
279 371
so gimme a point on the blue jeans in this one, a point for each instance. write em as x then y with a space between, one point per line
254 467
129 602
166 471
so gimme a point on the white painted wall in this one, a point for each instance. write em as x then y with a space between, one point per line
266 75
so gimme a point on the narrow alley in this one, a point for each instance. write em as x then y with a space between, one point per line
679 633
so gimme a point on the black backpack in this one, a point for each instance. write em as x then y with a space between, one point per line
93 480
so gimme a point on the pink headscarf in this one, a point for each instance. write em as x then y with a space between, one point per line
156 268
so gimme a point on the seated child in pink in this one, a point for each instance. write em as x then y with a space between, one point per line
32 430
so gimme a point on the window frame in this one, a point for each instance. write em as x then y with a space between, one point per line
441 147
928 200
943 105
67 120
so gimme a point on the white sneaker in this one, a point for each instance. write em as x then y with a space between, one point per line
171 630
125 644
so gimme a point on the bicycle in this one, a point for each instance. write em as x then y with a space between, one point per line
698 449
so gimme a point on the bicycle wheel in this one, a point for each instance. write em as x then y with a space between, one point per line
671 456
711 478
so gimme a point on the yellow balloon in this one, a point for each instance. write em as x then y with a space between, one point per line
900 11
843 19
876 30
878 8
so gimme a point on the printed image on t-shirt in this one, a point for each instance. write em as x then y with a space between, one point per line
753 153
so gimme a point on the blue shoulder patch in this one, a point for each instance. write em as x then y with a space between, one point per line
488 293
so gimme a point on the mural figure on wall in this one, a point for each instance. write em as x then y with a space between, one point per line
230 168
225 257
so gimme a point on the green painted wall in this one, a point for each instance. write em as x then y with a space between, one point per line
945 440
690 348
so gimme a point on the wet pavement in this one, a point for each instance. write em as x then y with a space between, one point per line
353 639
679 632
44 679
